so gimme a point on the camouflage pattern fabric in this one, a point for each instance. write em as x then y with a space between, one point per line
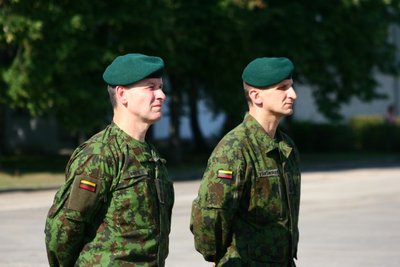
115 207
247 208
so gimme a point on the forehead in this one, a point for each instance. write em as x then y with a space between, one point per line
148 82
285 83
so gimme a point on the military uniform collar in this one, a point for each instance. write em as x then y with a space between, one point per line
262 137
141 149
127 138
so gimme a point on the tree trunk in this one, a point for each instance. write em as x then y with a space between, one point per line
200 144
175 103
2 133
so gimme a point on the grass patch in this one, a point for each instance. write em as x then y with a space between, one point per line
35 172
30 181
32 171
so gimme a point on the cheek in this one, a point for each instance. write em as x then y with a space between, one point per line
283 97
138 103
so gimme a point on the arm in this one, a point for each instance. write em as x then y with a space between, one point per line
214 209
75 204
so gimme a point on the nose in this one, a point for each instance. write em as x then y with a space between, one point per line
160 94
292 93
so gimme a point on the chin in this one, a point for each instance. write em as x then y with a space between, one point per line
155 119
289 112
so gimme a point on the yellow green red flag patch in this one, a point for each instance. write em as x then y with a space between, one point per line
87 185
225 174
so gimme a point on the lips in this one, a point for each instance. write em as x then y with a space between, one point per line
157 106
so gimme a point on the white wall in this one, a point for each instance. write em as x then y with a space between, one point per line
305 108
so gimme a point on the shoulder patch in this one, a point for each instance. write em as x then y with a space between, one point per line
225 174
87 185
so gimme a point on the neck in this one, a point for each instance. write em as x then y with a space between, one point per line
268 122
133 127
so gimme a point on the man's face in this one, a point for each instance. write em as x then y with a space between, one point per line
278 100
145 99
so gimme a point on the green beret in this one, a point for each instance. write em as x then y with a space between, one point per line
267 71
131 68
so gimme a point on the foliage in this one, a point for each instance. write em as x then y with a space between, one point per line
337 46
54 52
54 60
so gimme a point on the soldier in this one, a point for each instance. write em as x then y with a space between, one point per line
246 211
115 207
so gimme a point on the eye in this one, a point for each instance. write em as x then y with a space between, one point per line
285 88
154 87
151 87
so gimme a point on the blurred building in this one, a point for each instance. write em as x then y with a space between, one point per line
306 109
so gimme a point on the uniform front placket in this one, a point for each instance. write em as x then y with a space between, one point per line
157 161
287 185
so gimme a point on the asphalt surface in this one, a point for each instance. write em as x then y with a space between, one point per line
349 218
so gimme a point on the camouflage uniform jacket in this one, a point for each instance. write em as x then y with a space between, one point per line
246 211
115 207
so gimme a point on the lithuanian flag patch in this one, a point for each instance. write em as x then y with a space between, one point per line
225 174
87 185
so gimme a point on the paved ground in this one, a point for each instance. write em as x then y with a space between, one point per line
349 218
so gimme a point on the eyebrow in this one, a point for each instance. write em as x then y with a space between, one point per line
285 84
153 84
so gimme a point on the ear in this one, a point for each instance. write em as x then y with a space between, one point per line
120 94
255 97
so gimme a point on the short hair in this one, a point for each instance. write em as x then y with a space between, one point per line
246 89
111 93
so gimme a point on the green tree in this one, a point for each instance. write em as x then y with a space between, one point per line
200 49
337 46
55 61
54 52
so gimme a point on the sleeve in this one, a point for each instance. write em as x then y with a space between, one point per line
74 207
216 204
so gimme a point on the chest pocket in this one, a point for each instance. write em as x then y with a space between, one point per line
266 197
135 202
